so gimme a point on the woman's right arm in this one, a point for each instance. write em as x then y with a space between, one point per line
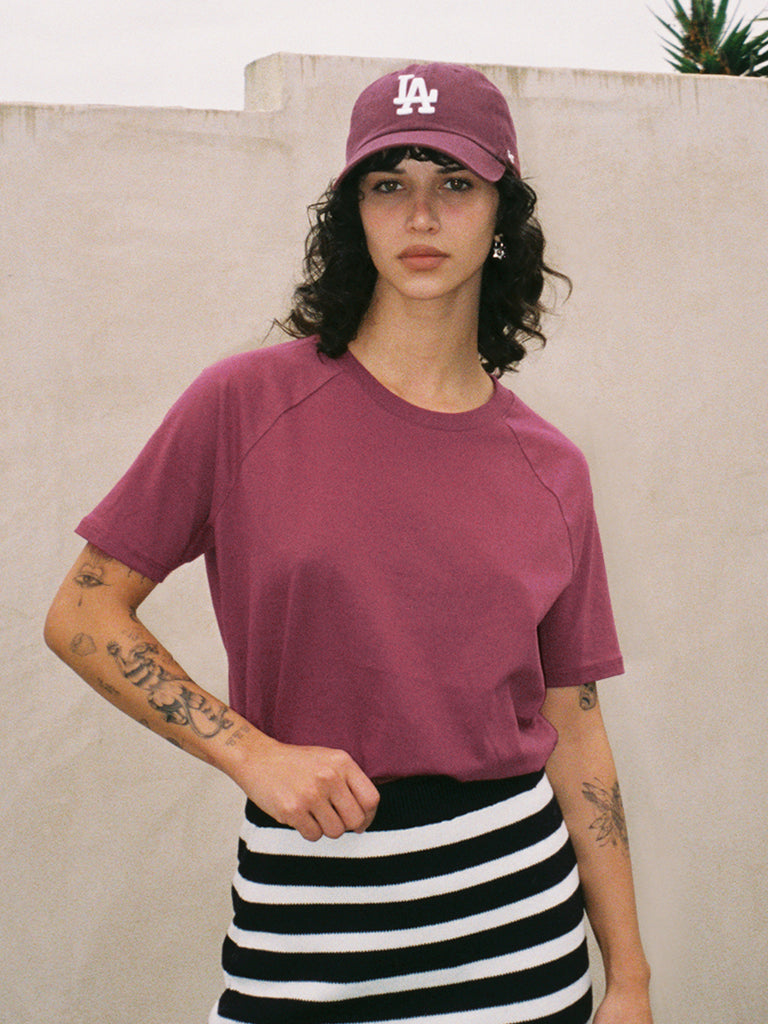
93 626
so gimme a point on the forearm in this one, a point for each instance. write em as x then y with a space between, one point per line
94 627
108 646
583 776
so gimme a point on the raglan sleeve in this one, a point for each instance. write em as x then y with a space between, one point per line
160 513
577 636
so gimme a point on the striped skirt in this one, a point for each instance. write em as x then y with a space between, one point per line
460 905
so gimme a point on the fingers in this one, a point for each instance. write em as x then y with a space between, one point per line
355 810
366 797
330 821
318 791
345 799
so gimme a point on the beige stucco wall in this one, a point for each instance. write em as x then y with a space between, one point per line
139 245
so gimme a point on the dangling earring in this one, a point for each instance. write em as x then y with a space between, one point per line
499 250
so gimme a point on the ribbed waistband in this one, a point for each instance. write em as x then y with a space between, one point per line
425 799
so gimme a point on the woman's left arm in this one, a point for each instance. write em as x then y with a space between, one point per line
583 776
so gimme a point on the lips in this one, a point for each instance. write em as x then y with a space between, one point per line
422 257
419 251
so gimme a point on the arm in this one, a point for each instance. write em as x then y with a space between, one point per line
94 627
583 777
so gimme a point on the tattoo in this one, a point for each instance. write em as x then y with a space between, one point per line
237 735
88 577
170 739
107 687
610 823
588 696
167 692
82 645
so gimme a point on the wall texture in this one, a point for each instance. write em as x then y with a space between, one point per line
140 245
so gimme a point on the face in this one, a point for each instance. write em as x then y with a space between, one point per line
428 228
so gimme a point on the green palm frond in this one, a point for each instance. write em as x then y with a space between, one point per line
707 40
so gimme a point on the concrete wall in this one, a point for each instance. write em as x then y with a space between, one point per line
140 245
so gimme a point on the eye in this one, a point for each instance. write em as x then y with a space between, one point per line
386 186
458 184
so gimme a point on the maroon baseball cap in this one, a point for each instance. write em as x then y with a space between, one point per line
448 107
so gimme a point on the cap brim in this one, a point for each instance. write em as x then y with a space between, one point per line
464 150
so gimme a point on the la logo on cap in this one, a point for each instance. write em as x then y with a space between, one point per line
414 90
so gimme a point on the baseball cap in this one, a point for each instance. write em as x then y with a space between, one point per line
448 107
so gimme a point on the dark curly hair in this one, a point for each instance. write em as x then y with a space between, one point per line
340 275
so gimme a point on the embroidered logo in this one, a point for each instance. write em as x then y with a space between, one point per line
414 90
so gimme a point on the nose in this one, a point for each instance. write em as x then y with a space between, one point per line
422 214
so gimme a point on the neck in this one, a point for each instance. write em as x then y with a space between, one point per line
424 352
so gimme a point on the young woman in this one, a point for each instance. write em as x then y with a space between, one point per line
407 574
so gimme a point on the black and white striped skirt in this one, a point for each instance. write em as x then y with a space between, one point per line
460 905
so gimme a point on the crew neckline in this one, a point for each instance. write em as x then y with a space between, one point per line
466 420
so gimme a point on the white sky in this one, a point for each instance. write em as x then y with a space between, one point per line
192 52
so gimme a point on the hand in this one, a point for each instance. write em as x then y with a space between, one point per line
624 1007
316 790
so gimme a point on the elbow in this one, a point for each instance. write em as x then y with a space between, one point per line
55 628
51 633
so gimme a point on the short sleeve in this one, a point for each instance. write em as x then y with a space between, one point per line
158 515
577 636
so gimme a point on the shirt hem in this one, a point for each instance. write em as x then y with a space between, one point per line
90 532
588 674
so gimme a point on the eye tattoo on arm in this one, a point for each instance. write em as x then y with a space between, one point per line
610 823
88 577
168 694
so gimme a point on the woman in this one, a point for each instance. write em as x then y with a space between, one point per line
408 578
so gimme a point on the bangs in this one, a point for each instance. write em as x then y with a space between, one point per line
388 159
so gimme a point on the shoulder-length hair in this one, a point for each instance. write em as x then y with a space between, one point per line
339 275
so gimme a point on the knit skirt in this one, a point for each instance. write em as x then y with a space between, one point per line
461 904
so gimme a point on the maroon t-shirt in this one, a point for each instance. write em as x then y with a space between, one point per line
396 582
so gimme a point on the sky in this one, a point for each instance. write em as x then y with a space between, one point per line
192 53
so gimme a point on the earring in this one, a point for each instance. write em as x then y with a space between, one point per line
499 250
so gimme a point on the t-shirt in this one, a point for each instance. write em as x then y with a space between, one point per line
388 580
